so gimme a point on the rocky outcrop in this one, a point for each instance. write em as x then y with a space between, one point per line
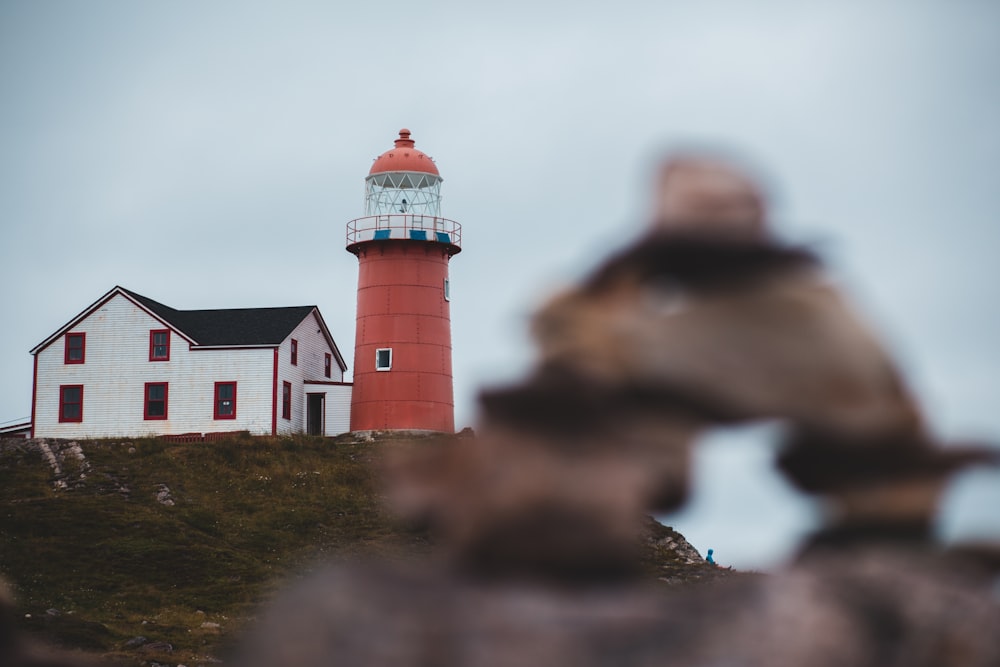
66 458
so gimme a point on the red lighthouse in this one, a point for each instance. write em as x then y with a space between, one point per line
402 349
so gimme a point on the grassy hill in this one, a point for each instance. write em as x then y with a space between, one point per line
178 544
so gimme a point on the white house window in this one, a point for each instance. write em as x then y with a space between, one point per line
156 400
286 400
159 345
76 347
225 400
383 358
71 403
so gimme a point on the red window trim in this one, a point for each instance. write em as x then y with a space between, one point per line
146 400
63 403
286 400
215 401
83 348
295 352
152 347
327 364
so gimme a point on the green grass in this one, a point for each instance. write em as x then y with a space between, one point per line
118 564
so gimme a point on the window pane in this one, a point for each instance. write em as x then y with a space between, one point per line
225 407
156 392
71 411
157 408
225 391
71 395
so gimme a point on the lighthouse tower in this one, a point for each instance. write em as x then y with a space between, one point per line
402 349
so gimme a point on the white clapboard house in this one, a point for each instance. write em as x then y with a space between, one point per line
129 366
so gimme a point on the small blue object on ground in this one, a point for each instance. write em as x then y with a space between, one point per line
710 559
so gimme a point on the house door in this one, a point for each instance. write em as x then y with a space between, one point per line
314 413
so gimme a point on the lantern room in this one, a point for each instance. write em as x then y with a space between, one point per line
403 180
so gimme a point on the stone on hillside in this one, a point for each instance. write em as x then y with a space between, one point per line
163 495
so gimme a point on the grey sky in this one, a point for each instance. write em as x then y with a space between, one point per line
210 155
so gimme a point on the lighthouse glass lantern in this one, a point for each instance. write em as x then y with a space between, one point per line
412 192
402 351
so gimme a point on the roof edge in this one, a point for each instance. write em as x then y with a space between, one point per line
107 296
330 340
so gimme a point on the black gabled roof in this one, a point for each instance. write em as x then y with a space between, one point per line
230 326
233 327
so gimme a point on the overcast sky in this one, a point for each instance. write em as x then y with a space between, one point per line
210 154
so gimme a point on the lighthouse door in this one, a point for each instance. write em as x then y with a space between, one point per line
314 413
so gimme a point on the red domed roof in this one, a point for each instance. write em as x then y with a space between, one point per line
404 157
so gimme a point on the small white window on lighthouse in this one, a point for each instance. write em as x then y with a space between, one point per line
383 358
447 289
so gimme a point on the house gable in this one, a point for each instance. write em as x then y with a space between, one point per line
89 310
314 343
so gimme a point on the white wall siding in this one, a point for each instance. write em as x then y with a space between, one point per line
338 409
336 405
312 345
117 367
251 369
